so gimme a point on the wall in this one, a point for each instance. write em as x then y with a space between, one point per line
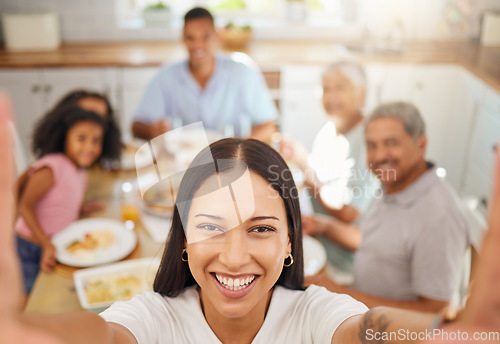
94 20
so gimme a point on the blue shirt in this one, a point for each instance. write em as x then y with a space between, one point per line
235 95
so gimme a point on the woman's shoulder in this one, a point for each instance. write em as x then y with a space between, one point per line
155 318
188 298
306 316
315 299
311 292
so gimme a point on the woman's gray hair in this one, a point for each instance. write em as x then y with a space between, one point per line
349 68
406 112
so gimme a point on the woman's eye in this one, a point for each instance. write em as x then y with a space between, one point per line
209 227
262 229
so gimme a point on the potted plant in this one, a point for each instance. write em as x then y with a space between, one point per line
156 14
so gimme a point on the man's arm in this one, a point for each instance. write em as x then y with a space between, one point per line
385 325
345 234
347 213
422 304
263 132
149 131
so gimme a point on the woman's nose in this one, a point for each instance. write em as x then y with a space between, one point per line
235 251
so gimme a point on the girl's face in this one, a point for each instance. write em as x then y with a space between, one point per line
96 105
83 143
236 260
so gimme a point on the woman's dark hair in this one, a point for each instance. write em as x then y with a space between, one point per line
51 130
174 275
112 137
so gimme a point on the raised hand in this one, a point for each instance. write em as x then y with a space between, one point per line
11 328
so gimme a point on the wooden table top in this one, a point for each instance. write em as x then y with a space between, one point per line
55 292
483 62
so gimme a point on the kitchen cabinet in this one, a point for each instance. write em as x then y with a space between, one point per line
484 134
28 100
464 106
432 91
131 86
396 82
34 91
302 114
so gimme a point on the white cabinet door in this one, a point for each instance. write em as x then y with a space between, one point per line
463 112
479 170
374 84
302 114
133 82
434 89
58 82
396 83
24 89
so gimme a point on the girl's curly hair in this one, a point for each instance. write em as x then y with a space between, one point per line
112 136
51 131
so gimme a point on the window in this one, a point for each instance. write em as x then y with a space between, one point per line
258 13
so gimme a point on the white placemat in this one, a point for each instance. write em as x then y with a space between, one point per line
157 226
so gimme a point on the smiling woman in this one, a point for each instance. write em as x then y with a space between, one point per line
233 265
231 271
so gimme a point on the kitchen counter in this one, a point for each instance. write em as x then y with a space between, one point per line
483 62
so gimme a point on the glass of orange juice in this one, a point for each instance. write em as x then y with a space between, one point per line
129 208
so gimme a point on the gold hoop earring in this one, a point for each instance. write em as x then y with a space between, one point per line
291 261
182 255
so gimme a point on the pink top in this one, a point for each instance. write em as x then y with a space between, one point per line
62 203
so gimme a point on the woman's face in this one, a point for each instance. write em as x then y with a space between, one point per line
237 246
96 105
341 97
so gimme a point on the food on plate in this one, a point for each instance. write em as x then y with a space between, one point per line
113 288
92 240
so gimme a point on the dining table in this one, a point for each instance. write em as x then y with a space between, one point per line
55 292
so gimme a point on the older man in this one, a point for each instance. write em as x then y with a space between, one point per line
226 92
413 238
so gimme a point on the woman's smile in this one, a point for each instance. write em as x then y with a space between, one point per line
234 287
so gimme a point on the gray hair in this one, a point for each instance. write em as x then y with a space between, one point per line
349 68
406 112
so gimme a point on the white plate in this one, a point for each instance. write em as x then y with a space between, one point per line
124 242
133 157
144 269
314 255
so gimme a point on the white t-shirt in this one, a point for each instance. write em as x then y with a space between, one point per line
294 316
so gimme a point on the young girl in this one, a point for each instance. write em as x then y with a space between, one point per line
98 103
68 141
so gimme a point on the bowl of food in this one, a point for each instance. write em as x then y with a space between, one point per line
98 287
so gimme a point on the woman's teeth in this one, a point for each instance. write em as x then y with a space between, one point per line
234 283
